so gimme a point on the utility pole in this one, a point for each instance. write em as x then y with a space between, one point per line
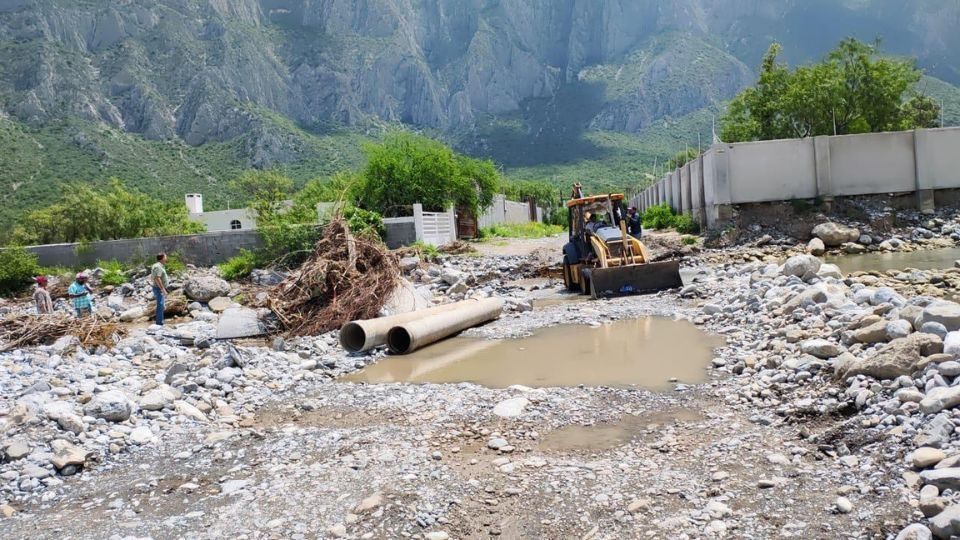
699 146
941 114
834 123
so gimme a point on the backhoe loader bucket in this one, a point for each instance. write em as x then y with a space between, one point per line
635 279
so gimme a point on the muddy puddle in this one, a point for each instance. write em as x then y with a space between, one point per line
649 353
601 437
934 259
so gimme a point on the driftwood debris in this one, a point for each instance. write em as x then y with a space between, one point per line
31 330
346 278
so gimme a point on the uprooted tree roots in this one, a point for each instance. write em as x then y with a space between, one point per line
30 330
346 278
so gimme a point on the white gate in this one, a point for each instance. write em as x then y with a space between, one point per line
436 228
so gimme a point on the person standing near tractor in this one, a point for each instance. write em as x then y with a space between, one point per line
634 224
82 296
160 280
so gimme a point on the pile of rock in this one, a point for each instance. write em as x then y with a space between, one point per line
811 341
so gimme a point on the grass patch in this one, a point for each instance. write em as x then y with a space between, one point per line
688 240
522 230
425 251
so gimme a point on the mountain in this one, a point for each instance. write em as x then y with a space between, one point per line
175 95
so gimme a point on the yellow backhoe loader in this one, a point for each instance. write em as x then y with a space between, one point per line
602 260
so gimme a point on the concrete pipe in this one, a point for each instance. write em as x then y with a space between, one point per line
410 336
362 336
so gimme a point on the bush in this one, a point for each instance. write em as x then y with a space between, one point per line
658 217
688 240
364 221
175 264
17 268
685 224
114 273
661 216
239 267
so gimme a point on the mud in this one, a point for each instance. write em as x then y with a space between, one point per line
651 353
935 259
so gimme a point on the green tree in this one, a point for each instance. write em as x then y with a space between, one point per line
406 168
682 157
85 214
854 89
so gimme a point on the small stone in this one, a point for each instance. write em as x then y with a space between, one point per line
338 531
370 503
141 435
7 511
844 506
437 535
17 450
497 443
112 406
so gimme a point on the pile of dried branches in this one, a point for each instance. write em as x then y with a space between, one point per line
346 278
30 330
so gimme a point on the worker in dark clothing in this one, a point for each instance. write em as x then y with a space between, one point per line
634 225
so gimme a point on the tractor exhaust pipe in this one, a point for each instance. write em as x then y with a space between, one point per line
362 336
409 336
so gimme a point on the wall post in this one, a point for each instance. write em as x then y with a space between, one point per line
821 156
418 221
926 202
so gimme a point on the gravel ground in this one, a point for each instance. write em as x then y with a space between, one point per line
161 440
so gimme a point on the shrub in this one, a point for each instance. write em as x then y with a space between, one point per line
364 221
685 224
239 267
688 240
425 251
114 273
175 264
17 268
658 217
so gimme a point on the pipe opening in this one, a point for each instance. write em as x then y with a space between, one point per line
352 337
398 339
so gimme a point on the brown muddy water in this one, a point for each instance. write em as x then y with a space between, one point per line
649 353
599 437
933 259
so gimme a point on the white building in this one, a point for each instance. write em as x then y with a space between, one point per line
220 220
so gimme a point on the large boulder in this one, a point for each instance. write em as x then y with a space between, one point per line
943 312
205 288
946 524
801 265
899 357
820 348
113 406
822 293
940 398
915 531
834 235
239 323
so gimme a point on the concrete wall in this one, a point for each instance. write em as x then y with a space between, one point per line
772 171
502 211
201 249
400 232
918 161
222 220
872 163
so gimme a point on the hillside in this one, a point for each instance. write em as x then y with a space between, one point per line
181 95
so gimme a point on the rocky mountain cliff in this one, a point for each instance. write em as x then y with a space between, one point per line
265 75
201 70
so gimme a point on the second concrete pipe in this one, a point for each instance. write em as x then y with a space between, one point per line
362 336
406 337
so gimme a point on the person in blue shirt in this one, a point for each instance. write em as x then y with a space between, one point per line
81 295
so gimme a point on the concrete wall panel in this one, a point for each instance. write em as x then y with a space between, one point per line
771 171
938 158
872 163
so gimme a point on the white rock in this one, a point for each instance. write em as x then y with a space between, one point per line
844 506
820 348
113 406
801 265
141 435
511 408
